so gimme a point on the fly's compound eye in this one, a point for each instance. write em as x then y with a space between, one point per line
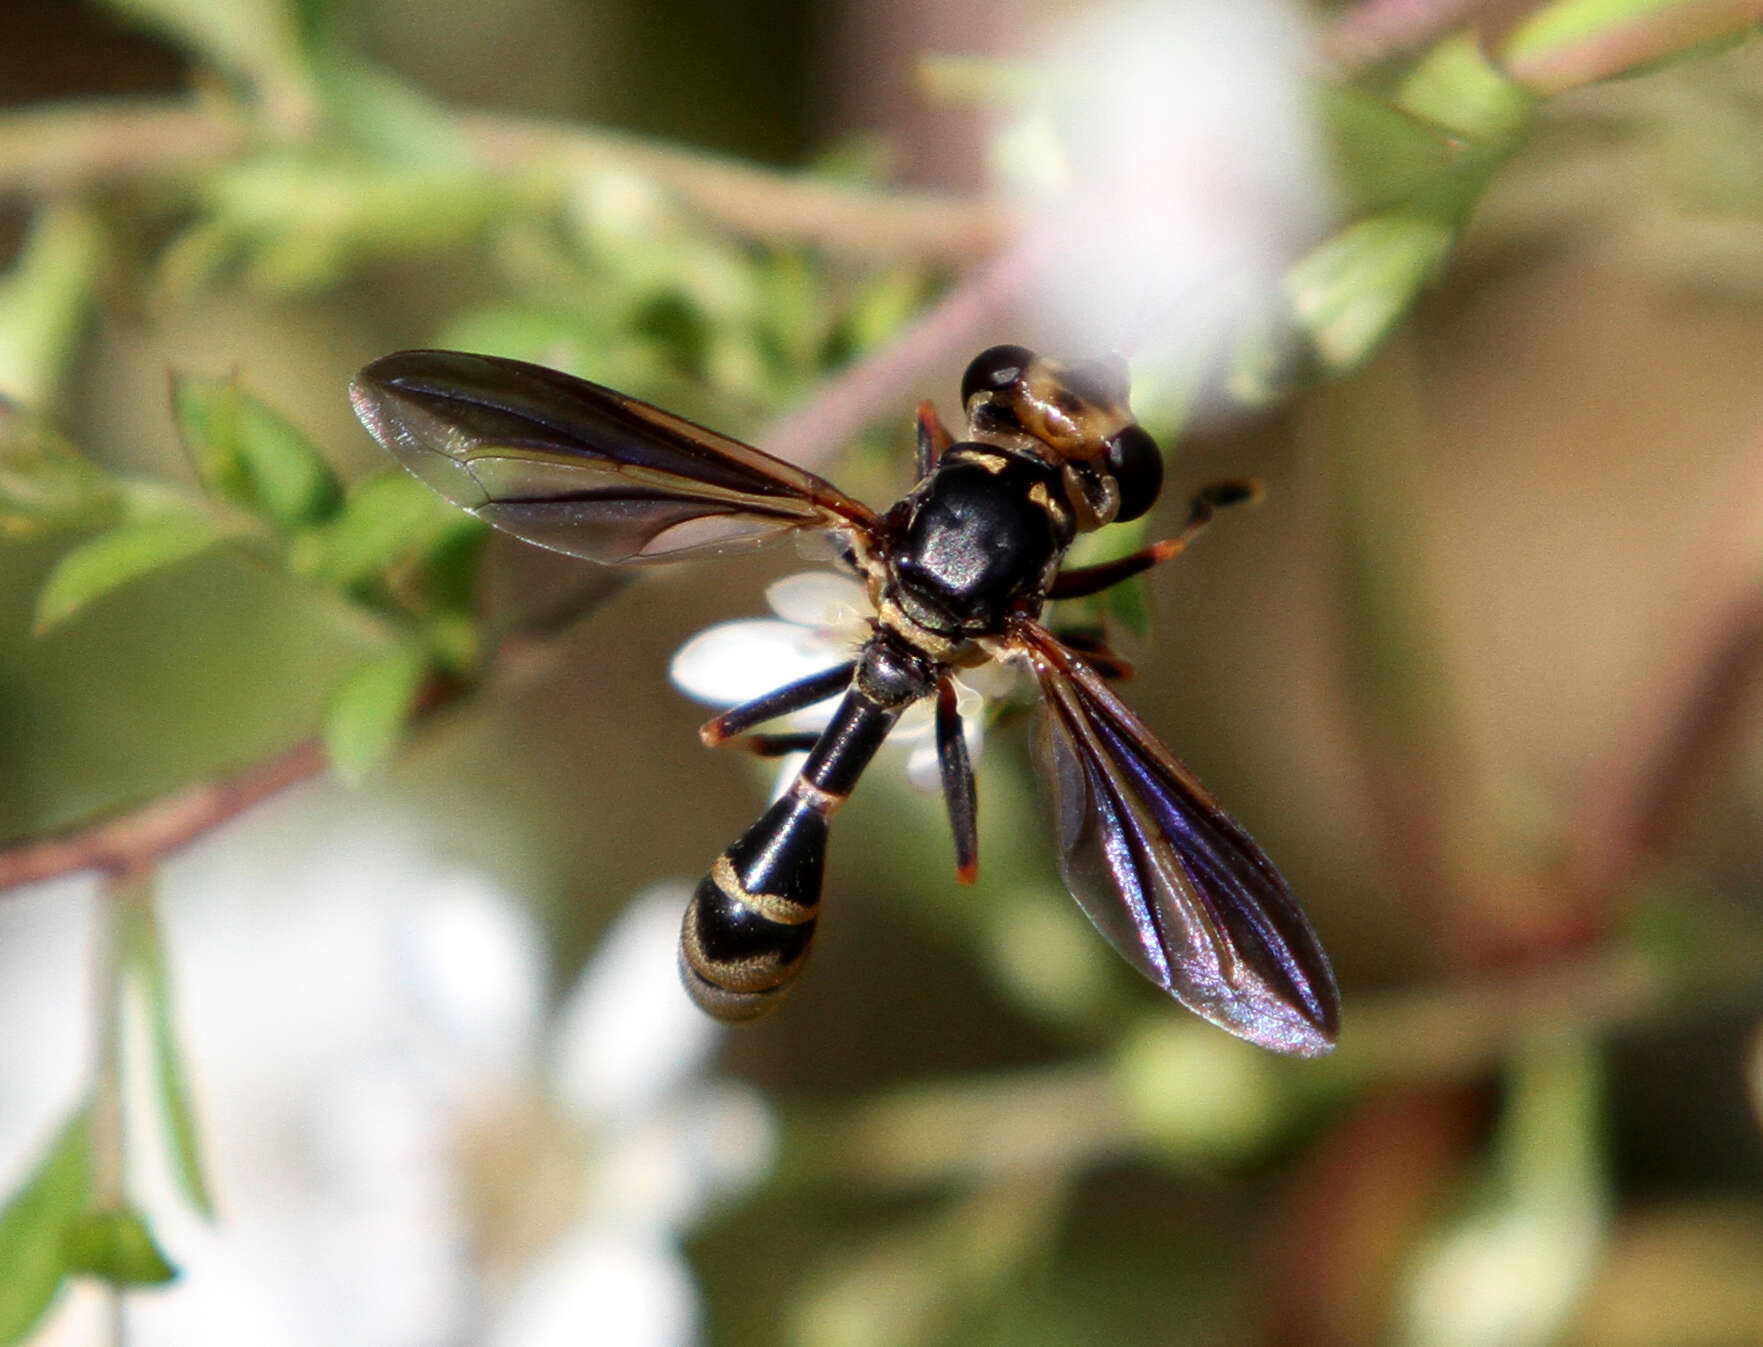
1136 464
993 370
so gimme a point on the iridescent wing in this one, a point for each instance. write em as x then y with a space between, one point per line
581 469
1166 875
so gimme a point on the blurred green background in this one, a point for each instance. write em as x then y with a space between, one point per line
1479 674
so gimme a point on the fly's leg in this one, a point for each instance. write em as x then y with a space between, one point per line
1085 580
804 692
933 438
959 791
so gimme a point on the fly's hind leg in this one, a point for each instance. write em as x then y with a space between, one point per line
959 791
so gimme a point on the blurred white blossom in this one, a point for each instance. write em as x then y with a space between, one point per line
1169 175
363 1025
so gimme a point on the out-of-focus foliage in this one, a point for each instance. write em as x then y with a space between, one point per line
210 584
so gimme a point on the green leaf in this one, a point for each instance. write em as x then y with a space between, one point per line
369 709
46 485
114 558
143 953
386 519
44 299
295 222
384 115
1383 153
1453 87
1349 292
248 453
33 1227
117 1247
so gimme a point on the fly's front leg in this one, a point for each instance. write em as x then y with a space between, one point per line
771 745
804 692
1086 580
933 438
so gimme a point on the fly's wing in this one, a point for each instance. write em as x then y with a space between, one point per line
578 468
1167 876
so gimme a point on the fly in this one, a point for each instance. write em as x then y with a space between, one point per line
958 572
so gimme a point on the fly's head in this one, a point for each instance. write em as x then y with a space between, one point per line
1075 418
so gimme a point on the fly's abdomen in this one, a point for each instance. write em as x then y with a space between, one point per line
750 922
749 925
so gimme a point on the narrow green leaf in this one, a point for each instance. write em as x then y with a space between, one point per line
1383 153
44 299
386 519
143 953
46 485
1454 87
1349 292
33 1227
246 452
117 1247
114 558
369 709
386 116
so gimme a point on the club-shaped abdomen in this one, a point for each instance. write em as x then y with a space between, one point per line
749 925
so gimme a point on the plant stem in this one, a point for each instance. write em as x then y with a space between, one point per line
70 147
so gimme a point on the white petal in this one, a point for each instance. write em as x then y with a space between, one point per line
717 1140
737 661
604 1286
315 1065
45 1015
823 600
475 966
629 1034
998 680
922 770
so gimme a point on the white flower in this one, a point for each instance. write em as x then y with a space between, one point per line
363 1029
822 619
626 1071
1168 178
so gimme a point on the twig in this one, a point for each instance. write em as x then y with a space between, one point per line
75 146
1709 669
1380 30
761 203
136 838
1073 1115
67 147
873 386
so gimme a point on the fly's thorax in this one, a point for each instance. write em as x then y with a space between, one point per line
977 541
